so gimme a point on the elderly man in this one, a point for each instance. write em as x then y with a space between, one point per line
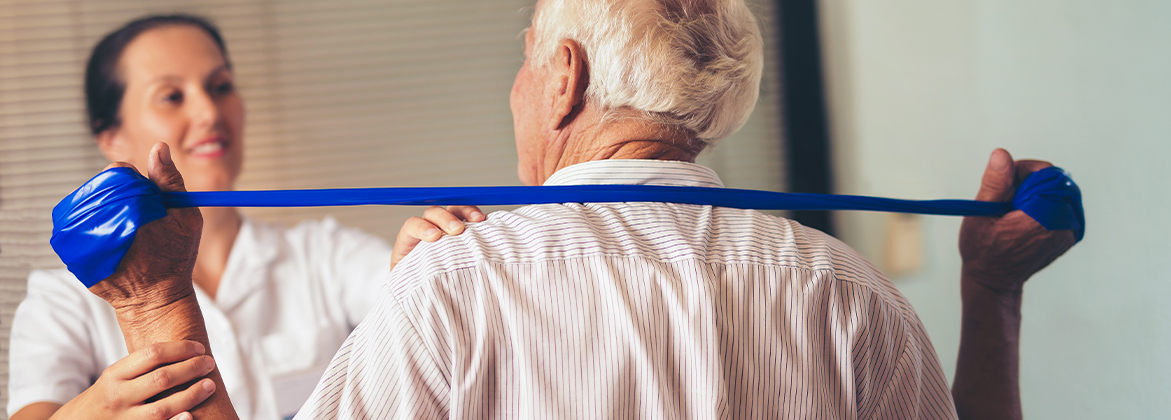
651 310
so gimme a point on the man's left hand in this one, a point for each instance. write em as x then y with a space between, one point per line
1001 253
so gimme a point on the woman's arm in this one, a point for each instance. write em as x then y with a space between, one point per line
36 411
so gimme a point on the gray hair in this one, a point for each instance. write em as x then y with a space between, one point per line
689 64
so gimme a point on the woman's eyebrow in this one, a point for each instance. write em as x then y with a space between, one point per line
210 75
218 70
167 78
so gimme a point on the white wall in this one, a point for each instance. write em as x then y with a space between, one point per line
921 92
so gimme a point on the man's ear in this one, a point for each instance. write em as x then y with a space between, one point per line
570 79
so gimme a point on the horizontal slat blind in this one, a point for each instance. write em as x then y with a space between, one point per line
347 93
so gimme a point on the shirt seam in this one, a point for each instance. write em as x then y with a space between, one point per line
833 272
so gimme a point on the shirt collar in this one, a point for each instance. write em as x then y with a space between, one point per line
252 252
636 172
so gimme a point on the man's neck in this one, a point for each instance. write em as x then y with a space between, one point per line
591 138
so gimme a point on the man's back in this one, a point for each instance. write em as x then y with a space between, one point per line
650 310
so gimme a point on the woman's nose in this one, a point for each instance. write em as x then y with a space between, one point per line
203 109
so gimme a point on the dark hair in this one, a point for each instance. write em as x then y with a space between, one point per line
103 87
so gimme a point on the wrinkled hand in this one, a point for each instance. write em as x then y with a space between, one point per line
435 222
1002 253
157 269
126 388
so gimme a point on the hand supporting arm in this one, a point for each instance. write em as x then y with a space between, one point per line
152 292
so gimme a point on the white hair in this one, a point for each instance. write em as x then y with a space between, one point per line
689 64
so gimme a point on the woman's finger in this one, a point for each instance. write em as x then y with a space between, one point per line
176 404
444 219
167 377
150 357
414 230
469 213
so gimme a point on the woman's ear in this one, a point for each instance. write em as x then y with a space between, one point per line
111 144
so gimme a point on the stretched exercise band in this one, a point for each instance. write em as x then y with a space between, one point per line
94 226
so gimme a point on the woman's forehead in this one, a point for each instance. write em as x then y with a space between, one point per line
176 51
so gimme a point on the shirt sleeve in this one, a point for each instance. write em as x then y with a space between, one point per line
384 370
51 353
361 264
897 372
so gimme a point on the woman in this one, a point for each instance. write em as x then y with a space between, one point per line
278 301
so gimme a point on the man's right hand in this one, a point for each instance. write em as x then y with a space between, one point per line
156 270
151 291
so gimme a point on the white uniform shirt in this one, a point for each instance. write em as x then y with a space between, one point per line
636 310
287 301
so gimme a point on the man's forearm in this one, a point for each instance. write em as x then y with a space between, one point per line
180 319
987 378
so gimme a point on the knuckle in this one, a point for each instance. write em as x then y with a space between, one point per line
195 394
157 412
412 224
162 378
108 372
153 353
436 212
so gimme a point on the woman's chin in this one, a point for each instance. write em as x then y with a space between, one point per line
202 185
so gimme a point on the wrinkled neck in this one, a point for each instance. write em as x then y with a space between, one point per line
590 138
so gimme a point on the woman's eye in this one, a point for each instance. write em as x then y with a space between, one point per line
224 88
173 97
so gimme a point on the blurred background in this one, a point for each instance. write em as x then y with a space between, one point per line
900 98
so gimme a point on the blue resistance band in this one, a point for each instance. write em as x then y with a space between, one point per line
94 226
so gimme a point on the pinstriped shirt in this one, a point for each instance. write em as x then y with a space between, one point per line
636 310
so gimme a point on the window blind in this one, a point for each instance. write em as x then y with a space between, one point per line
346 93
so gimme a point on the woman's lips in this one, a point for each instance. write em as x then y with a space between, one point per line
212 148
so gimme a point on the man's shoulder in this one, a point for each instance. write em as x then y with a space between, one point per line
505 236
658 231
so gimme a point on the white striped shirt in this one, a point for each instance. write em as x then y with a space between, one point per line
636 310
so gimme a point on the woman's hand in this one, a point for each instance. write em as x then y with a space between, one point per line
127 389
436 221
